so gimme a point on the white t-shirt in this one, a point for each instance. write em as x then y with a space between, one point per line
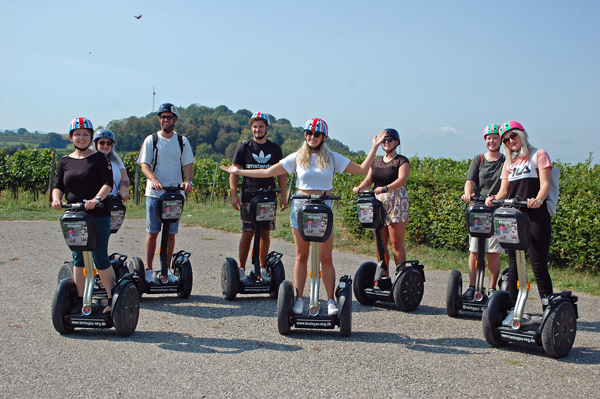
168 162
314 178
116 169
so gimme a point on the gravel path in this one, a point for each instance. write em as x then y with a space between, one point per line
207 347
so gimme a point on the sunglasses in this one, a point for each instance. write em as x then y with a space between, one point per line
107 143
512 136
167 117
314 134
388 140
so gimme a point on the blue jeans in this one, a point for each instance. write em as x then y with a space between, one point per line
100 254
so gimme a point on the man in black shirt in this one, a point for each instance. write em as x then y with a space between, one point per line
255 153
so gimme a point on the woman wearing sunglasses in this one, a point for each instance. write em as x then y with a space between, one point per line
315 166
389 175
520 178
104 142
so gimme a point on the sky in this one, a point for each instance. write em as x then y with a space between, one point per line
437 71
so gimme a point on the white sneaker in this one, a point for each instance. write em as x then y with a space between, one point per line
149 276
172 278
264 276
332 308
242 274
298 306
508 320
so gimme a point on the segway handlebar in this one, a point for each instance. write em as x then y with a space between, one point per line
479 199
512 201
79 205
323 196
172 189
261 190
366 193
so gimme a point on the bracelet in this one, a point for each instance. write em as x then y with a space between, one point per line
386 189
190 183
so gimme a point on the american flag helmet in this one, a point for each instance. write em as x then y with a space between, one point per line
260 115
317 125
81 123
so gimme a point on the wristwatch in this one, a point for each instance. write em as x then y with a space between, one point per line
98 198
190 183
540 201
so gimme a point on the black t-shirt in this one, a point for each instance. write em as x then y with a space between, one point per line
81 179
384 173
251 155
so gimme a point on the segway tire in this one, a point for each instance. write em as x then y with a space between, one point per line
453 292
346 315
277 277
230 279
126 310
494 312
136 265
186 280
559 330
65 271
285 303
364 278
64 297
408 289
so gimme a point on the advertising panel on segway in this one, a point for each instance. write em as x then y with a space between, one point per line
556 327
372 281
263 208
315 224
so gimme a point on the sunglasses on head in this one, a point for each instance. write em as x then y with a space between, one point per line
167 117
512 136
314 134
102 142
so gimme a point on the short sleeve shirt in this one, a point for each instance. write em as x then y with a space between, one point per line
486 175
524 179
313 177
252 155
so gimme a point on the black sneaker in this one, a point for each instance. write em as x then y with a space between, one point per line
469 293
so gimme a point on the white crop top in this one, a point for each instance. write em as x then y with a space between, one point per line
314 178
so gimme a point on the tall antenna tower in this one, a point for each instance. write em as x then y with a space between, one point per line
153 96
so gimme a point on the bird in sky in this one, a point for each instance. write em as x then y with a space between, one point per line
137 17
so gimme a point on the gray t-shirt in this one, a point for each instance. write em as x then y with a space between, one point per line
485 175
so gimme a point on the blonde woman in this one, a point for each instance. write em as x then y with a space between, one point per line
315 166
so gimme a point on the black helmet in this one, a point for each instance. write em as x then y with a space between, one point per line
393 133
167 107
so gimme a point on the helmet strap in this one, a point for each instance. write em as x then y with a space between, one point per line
393 149
81 149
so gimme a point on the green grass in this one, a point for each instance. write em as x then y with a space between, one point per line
221 216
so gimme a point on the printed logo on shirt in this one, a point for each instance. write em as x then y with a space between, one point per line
262 160
522 171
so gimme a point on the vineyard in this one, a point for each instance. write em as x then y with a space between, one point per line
434 187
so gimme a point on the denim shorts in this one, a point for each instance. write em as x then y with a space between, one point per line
296 205
153 226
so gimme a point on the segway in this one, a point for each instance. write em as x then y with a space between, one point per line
117 260
263 208
168 210
68 313
479 224
406 287
315 223
556 328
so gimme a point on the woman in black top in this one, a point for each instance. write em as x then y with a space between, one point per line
389 175
87 175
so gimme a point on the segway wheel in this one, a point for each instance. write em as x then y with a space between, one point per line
65 271
346 314
453 292
408 289
136 265
186 280
126 310
558 333
503 280
285 303
277 277
64 297
230 279
494 312
365 278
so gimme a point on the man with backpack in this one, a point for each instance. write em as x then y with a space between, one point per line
255 153
161 157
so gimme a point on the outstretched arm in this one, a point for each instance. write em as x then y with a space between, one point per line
274 170
364 167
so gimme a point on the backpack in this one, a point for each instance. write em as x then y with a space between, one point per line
552 198
155 148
